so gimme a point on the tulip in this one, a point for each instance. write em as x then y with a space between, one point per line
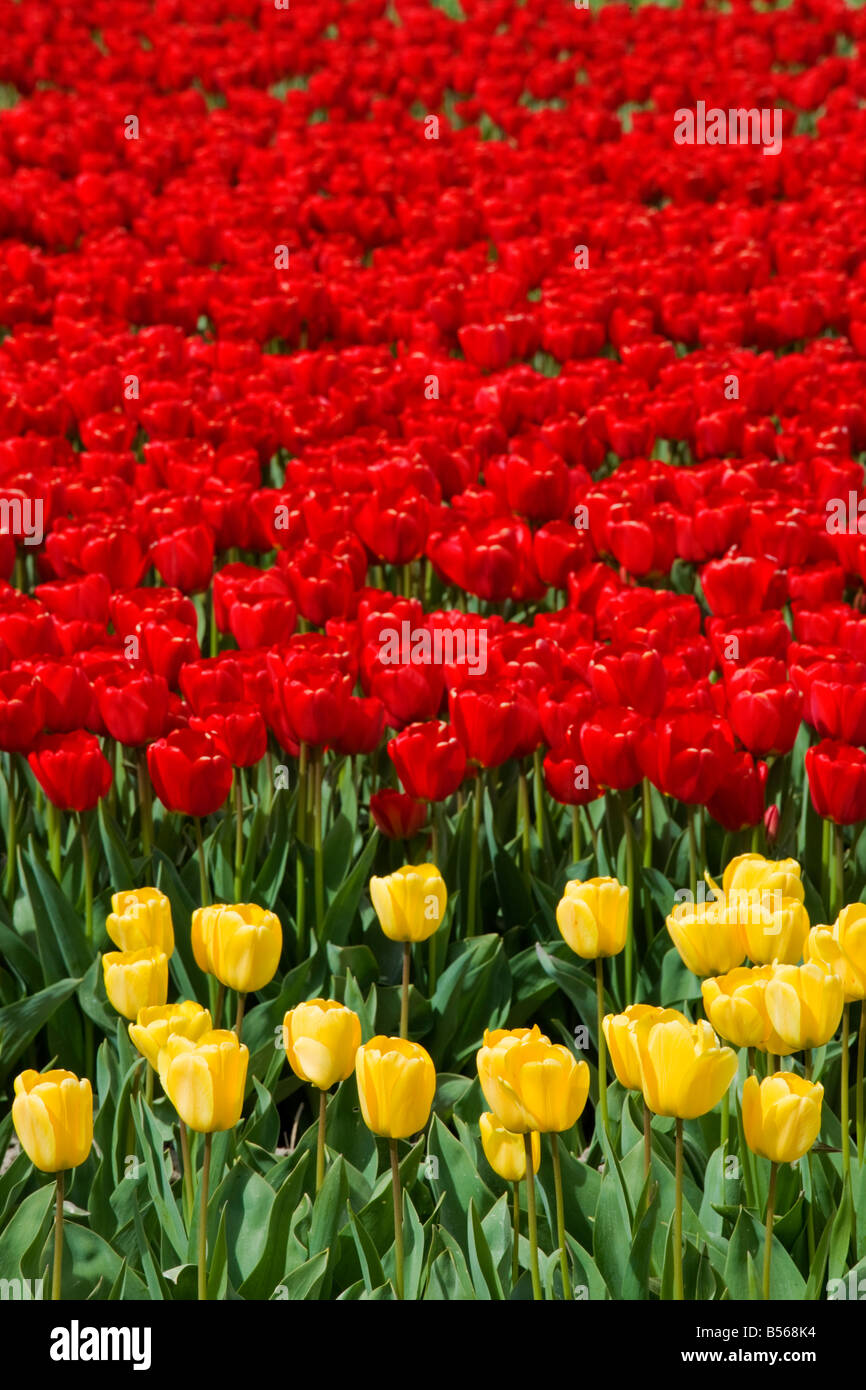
708 936
396 814
205 1083
621 1036
781 1121
190 775
321 1039
156 1023
753 874
773 935
506 1154
410 905
430 760
71 769
490 1061
684 1073
804 1005
53 1117
240 944
396 1084
736 1006
135 980
842 951
141 920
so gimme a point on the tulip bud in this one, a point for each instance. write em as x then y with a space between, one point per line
708 936
804 1005
684 1072
396 1084
771 823
156 1024
593 917
410 903
841 950
321 1039
135 980
781 1115
53 1117
205 1080
620 1036
490 1062
774 933
239 943
752 873
506 1152
141 920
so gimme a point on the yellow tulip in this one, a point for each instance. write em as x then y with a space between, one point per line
506 1152
774 933
140 919
756 876
205 1080
396 1084
736 1006
593 917
410 903
239 943
321 1038
804 1005
841 950
156 1023
684 1072
135 980
549 1084
490 1063
781 1116
53 1117
707 936
620 1036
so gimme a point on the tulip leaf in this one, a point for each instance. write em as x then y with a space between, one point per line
21 1021
87 1259
58 926
344 905
164 1201
328 1207
182 907
815 1282
306 1279
245 1201
840 1240
611 1237
678 984
122 874
371 1265
473 993
413 1249
576 983
26 1233
485 1279
217 1272
457 1180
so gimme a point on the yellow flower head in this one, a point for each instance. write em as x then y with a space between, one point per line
620 1033
205 1080
506 1152
396 1084
140 920
53 1117
736 1006
804 1005
135 980
239 943
683 1069
157 1022
841 950
321 1039
781 1116
410 903
753 874
593 917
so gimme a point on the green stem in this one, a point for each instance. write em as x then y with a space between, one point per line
523 816
239 1015
538 790
472 913
647 832
404 990
560 1216
219 1011
861 1054
838 895
300 832
52 816
145 801
148 1085
768 1238
726 1120
318 768
532 1218
202 1221
845 1086
320 1141
576 848
602 1045
11 832
693 854
239 832
202 868
629 878
88 878
826 837
678 1217
58 1236
188 1191
515 1242
398 1219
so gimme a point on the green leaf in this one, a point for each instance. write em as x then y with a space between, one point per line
485 1279
20 1022
342 909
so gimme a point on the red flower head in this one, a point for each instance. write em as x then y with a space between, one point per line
71 769
189 773
397 815
430 760
837 781
494 721
238 730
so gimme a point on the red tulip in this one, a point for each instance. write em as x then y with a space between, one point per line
430 760
184 558
71 769
609 739
685 755
837 781
738 800
189 773
22 711
632 676
397 815
495 722
133 706
238 730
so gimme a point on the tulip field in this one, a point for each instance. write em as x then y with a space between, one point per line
433 654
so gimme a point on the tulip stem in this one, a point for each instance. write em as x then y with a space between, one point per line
629 878
239 832
523 808
188 1194
320 1141
560 1216
318 769
861 1055
88 878
532 1218
838 886
515 1244
472 906
538 789
202 1221
602 1046
647 1142
678 1217
11 832
52 816
693 853
239 1015
845 1085
148 1084
202 869
750 1053
647 832
398 1219
404 989
219 1011
725 1126
826 833
58 1236
576 848
768 1237
300 831
145 801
